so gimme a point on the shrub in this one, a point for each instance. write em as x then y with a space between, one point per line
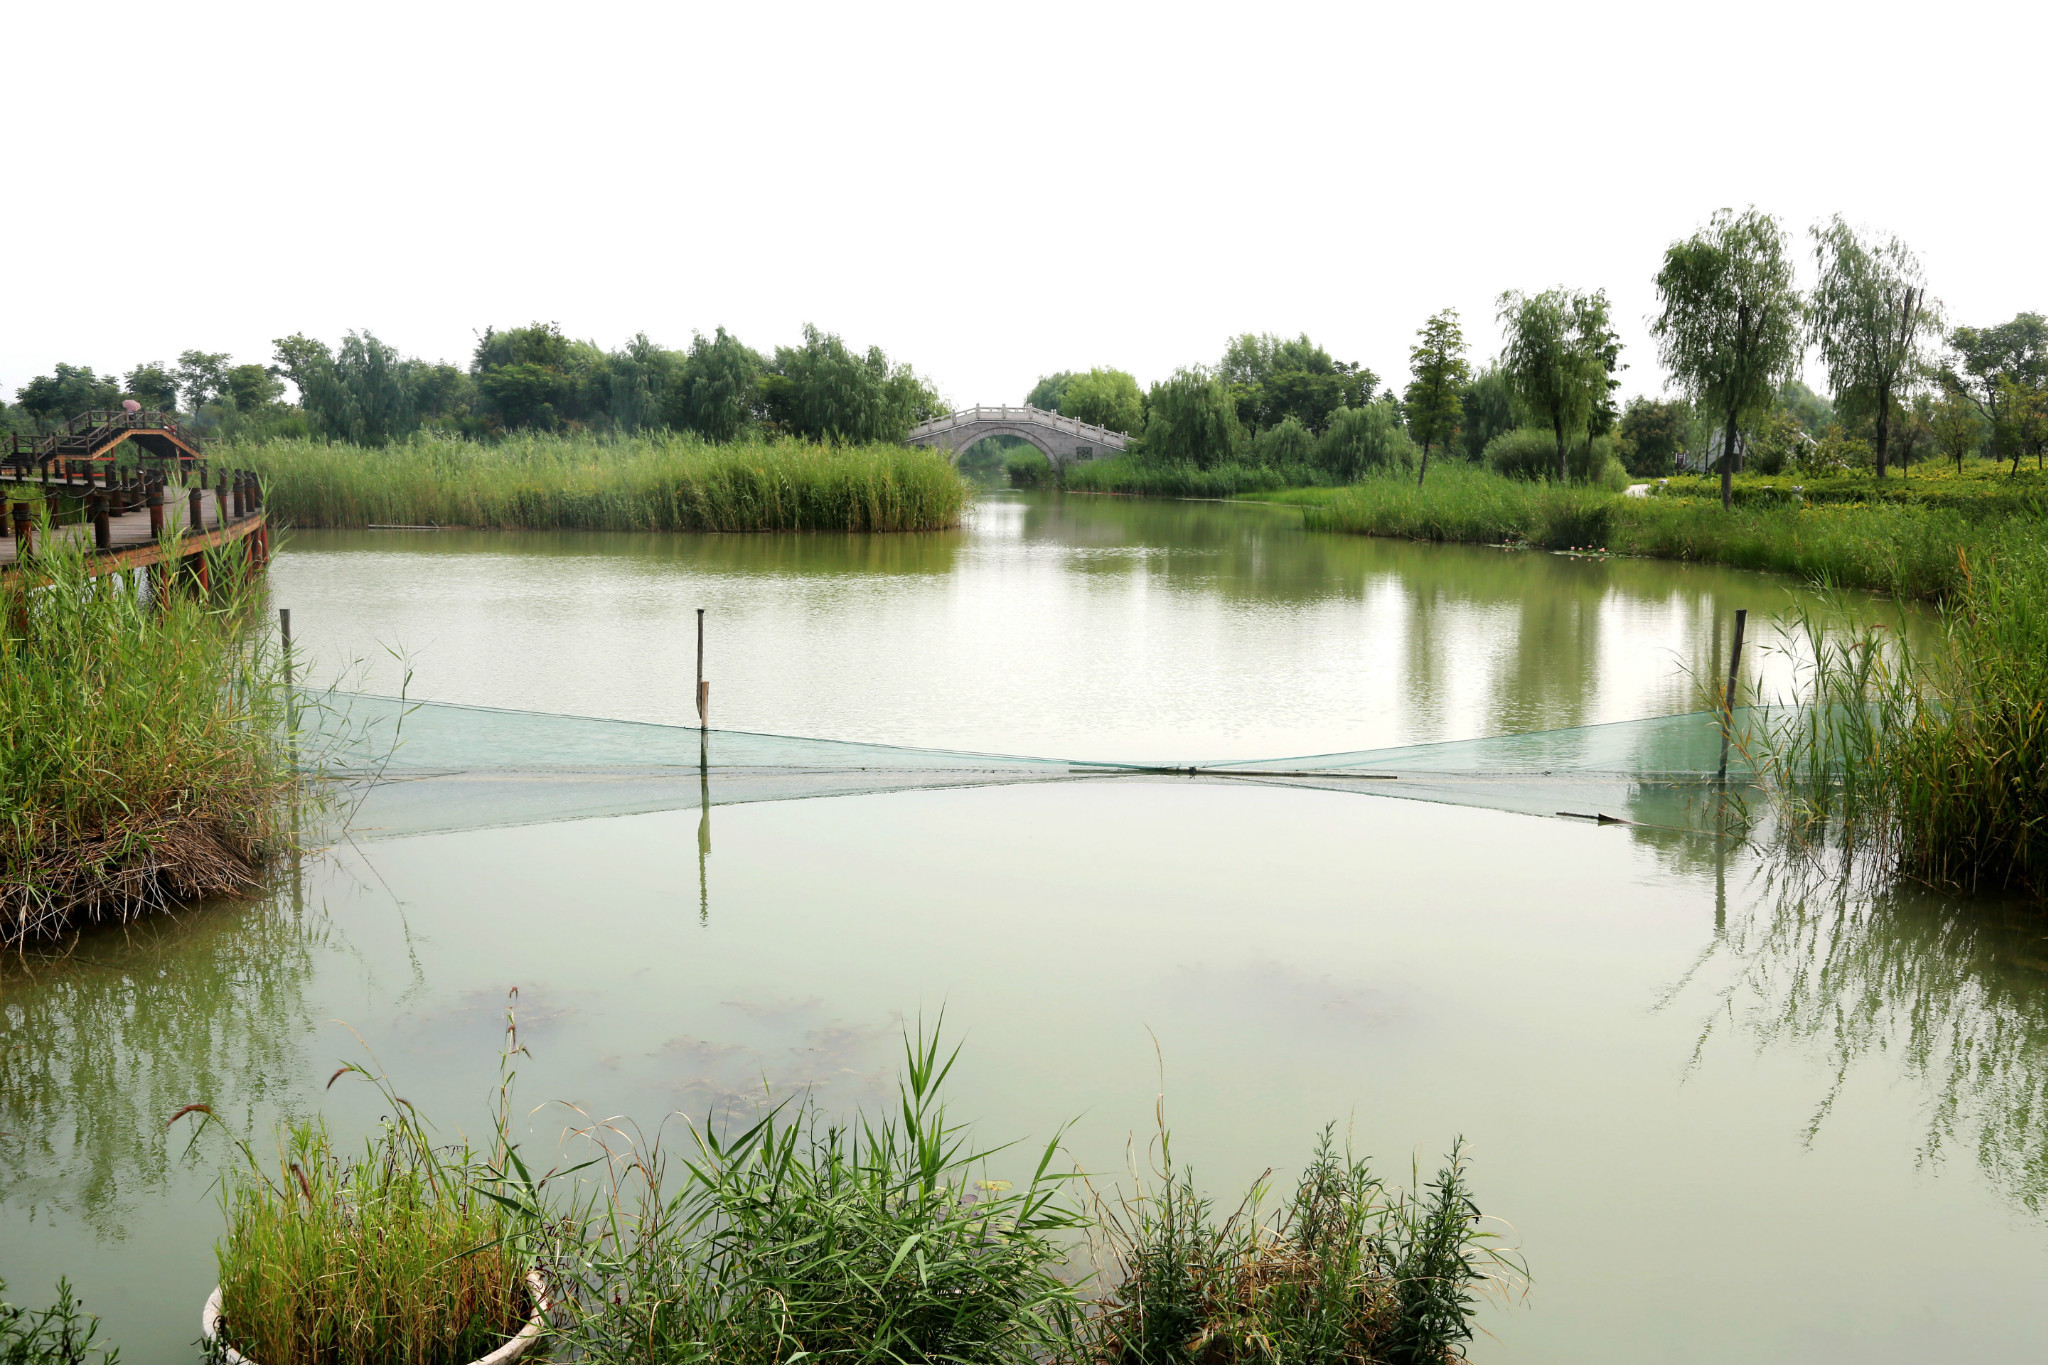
1028 469
1531 453
61 1334
1192 419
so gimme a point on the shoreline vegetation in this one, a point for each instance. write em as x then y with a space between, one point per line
144 753
659 482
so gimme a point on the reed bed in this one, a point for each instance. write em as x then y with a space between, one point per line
586 483
1904 549
143 755
1933 767
61 1334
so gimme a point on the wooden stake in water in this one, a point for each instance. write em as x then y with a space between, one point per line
1728 697
703 688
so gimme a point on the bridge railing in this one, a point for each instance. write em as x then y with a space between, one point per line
1019 413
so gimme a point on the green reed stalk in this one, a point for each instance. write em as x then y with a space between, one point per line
142 754
1935 764
587 483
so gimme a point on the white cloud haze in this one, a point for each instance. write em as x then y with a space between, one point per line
990 192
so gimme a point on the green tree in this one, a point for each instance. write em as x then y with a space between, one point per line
1980 356
202 377
251 386
832 393
298 358
1438 370
1729 330
1870 319
641 377
1488 405
1046 393
440 392
67 391
364 394
1956 424
1560 356
153 386
1362 439
1652 433
2023 418
1270 380
717 393
1106 398
1192 419
1286 444
536 377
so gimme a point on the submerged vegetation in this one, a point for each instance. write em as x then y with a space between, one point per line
143 754
585 483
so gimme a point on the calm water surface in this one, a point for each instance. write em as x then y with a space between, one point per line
1728 1117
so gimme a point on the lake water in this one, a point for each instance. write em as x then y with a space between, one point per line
1728 1117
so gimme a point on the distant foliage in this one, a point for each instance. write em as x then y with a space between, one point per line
1271 380
67 391
1285 443
1047 392
364 394
1531 453
1489 409
714 394
1028 468
824 391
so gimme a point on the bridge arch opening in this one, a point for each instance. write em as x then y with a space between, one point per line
991 453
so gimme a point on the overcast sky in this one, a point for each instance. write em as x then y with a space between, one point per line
990 192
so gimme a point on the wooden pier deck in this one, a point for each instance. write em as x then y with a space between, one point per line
131 545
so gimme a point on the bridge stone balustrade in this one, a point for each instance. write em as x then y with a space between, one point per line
1064 440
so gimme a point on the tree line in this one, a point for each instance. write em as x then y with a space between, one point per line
531 378
1733 330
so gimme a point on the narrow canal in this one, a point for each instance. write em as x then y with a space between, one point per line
1729 1116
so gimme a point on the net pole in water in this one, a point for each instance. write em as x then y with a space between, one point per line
703 692
1728 697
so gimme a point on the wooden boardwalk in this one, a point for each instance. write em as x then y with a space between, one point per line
131 543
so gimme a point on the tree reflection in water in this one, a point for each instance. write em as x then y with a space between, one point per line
99 1045
1955 993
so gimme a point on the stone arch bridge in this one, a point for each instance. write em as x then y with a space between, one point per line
1064 440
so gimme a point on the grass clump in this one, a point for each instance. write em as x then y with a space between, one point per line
1936 765
1466 504
799 1239
143 750
398 1255
61 1334
1349 1271
584 483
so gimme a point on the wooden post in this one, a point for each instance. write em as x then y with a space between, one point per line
703 688
102 526
195 520
24 533
1728 696
156 510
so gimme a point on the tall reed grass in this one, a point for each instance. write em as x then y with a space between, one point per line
1349 1270
398 1255
1934 767
143 755
587 483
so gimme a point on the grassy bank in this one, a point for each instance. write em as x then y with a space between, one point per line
1122 474
567 483
1898 546
142 755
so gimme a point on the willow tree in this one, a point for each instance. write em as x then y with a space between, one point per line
1438 373
1870 319
1729 332
1559 357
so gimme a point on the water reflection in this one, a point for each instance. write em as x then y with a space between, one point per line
1096 628
1954 994
99 1046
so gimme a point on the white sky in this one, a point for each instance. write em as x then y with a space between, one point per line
989 191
